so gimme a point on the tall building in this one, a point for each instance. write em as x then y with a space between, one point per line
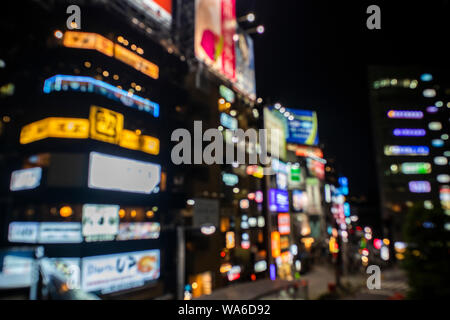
410 113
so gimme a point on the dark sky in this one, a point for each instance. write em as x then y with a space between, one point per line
314 55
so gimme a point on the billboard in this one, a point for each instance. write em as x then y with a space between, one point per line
115 272
215 25
100 222
303 129
284 223
120 174
245 65
158 10
299 200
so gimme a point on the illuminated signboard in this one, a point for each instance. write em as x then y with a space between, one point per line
444 197
100 222
23 232
316 168
158 10
228 121
230 240
234 273
405 114
409 132
278 200
255 171
275 243
295 176
284 223
25 179
115 272
276 135
88 84
299 200
215 25
415 168
260 266
303 129
106 125
101 118
306 151
93 41
230 179
406 150
227 94
60 232
443 178
138 231
282 181
120 174
279 166
419 186
437 143
53 127
245 64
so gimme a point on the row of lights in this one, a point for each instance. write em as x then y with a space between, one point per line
67 211
133 47
283 111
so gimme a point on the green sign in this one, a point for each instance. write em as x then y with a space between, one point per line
227 93
416 168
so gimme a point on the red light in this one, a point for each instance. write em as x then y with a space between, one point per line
251 196
222 254
253 277
358 228
377 243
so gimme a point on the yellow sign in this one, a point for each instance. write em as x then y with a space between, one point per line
106 125
137 62
55 128
150 145
103 124
87 40
94 41
130 140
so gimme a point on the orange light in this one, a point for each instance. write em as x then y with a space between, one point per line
65 211
133 213
122 213
276 244
150 214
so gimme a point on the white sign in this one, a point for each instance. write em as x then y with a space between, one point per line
100 222
117 272
120 174
26 232
138 230
60 232
25 179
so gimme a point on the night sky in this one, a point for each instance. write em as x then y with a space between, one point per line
314 55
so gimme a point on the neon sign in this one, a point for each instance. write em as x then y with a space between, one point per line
88 84
405 114
409 132
419 186
406 150
416 168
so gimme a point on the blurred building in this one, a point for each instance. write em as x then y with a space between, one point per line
410 112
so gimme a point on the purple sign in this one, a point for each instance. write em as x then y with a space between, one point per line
419 186
278 200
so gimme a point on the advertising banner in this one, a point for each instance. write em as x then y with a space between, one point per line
110 273
245 65
120 174
215 25
100 222
303 129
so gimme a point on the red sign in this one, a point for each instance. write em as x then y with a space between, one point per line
284 223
